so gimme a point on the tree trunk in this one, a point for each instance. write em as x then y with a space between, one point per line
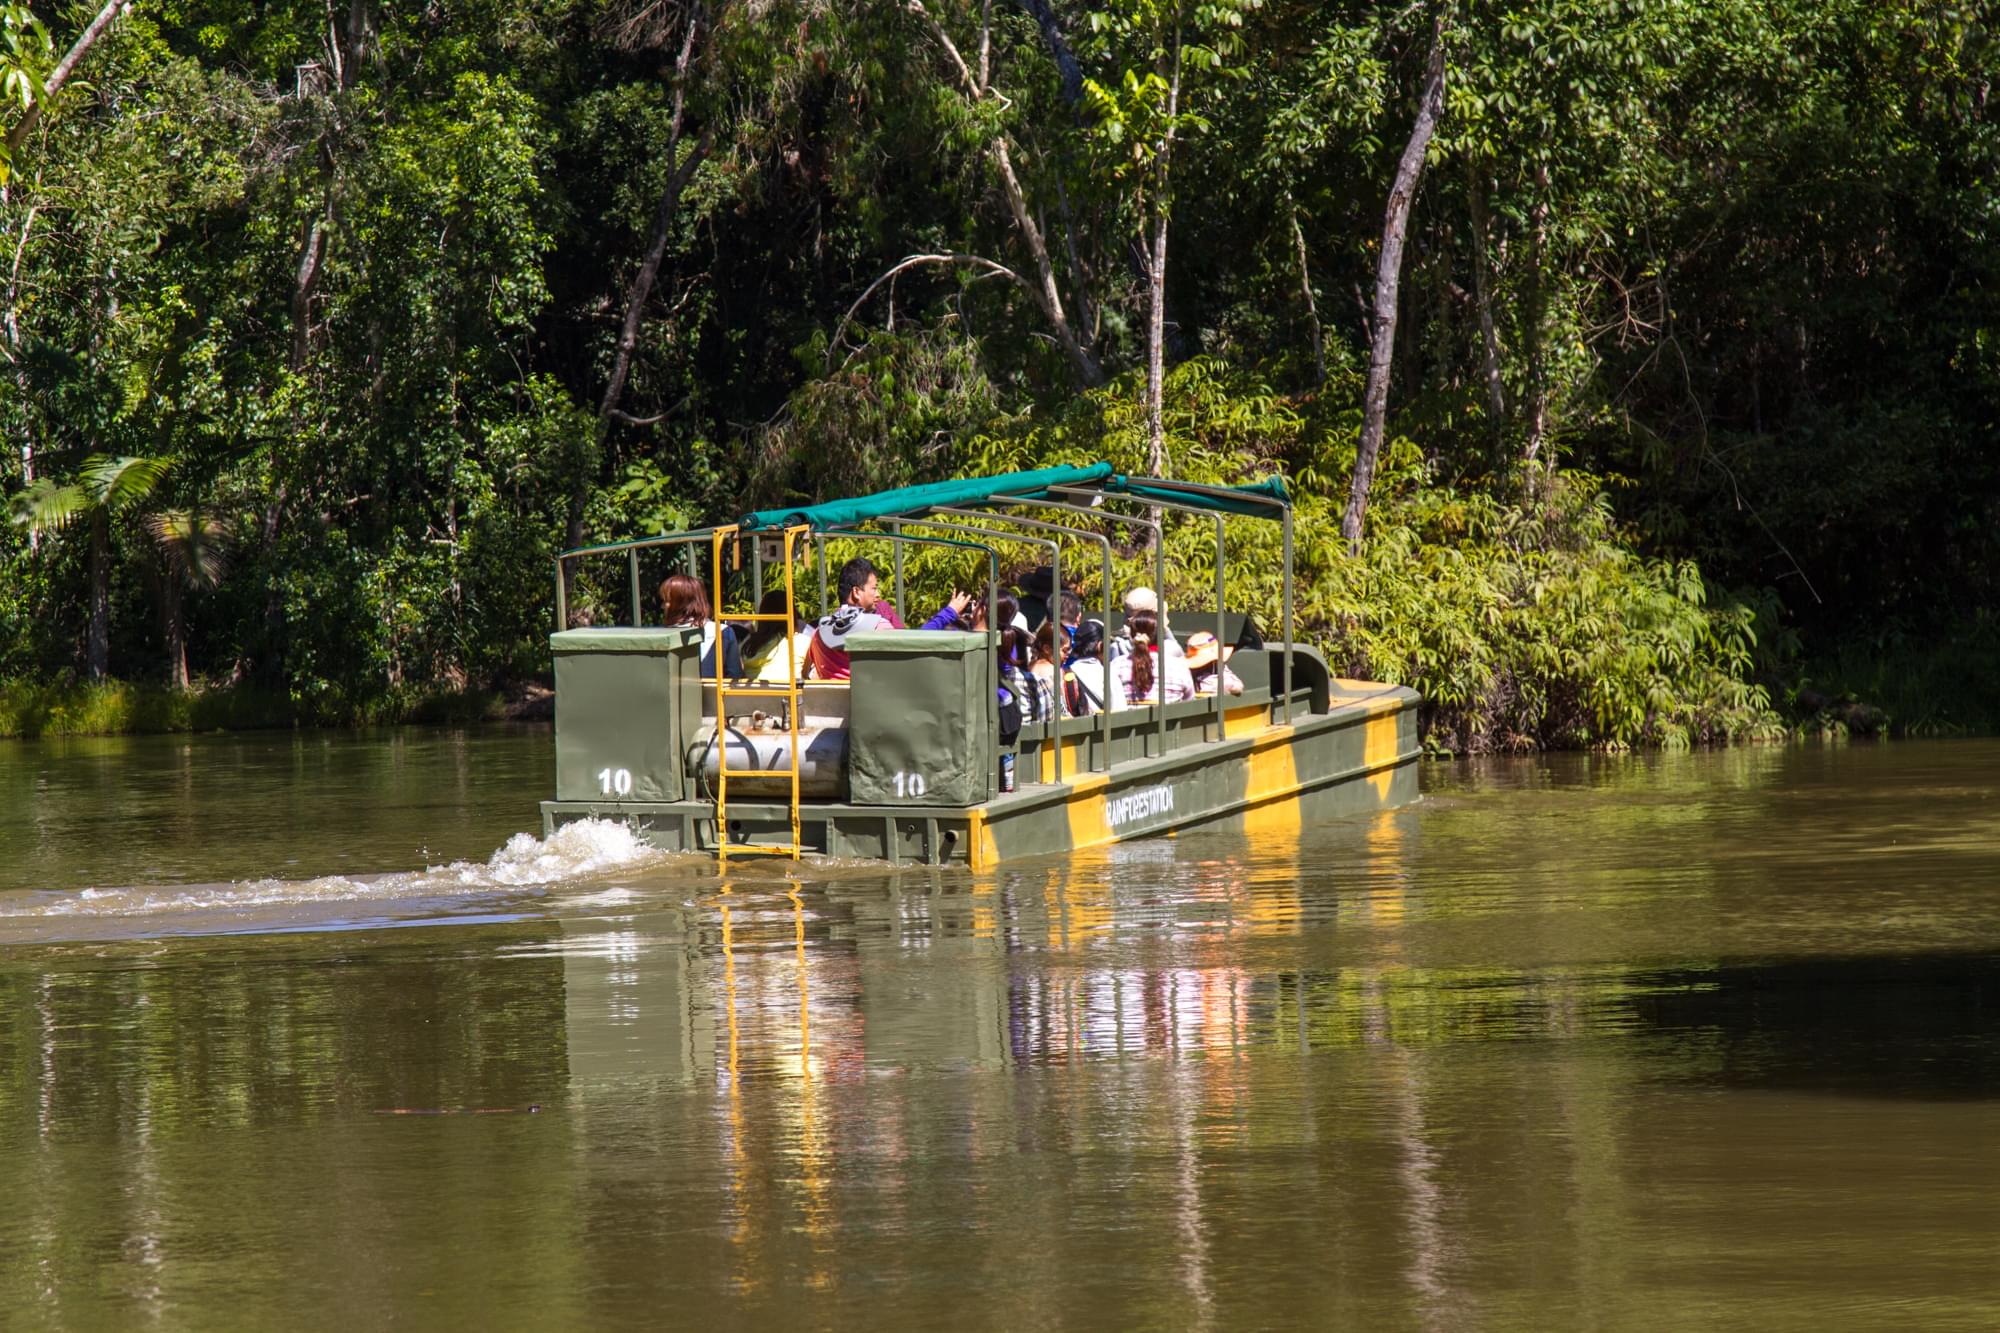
1312 307
173 624
1483 295
1538 392
641 289
1156 360
13 356
1049 297
1388 276
307 276
1156 281
97 644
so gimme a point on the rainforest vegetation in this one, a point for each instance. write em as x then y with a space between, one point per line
1636 363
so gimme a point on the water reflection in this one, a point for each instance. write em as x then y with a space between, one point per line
1567 1043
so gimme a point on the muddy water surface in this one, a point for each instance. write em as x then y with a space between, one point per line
296 1032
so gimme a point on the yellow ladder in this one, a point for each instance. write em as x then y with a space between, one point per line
724 692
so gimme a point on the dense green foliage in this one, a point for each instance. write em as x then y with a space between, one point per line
1695 382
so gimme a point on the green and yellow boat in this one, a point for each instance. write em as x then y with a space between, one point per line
905 762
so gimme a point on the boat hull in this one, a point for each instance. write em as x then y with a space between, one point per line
1270 777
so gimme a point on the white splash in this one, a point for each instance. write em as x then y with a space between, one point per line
572 852
575 852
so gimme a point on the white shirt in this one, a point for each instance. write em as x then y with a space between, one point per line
1179 682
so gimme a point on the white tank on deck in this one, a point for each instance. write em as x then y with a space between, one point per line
822 761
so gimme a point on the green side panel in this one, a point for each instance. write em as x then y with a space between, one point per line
918 730
910 499
628 702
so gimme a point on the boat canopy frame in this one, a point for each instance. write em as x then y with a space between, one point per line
1058 489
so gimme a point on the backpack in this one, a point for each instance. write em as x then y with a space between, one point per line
1010 716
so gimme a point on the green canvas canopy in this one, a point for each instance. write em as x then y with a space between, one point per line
918 499
1256 501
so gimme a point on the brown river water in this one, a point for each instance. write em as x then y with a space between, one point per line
305 1032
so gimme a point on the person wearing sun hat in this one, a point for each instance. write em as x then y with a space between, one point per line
1208 662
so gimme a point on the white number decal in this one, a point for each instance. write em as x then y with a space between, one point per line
909 784
615 782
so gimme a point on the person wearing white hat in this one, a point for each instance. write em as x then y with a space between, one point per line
1142 600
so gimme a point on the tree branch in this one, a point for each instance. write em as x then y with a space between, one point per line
972 85
915 261
1067 66
64 68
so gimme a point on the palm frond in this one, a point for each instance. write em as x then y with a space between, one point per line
49 506
197 546
123 482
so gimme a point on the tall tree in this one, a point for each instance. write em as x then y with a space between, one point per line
975 81
1388 279
1142 109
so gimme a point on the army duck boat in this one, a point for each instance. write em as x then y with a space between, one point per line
906 760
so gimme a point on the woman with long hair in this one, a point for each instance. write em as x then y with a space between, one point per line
1137 677
1037 700
763 648
687 606
1047 666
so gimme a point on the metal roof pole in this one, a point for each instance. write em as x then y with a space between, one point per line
1289 674
1084 534
1220 587
1055 559
820 537
896 556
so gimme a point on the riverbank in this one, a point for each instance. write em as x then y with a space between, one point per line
111 708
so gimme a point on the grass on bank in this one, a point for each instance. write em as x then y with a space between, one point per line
109 708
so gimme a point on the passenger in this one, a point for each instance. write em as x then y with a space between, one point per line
1083 673
860 590
1206 665
764 655
687 607
1038 587
954 614
826 650
860 585
1138 600
1047 668
1016 674
1133 680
